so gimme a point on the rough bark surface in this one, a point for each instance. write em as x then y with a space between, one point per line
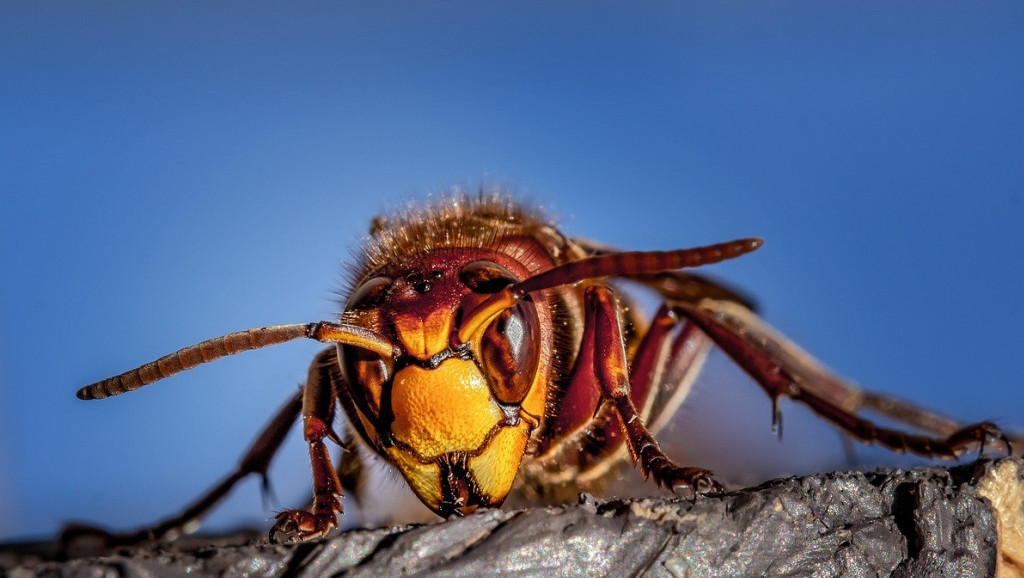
926 522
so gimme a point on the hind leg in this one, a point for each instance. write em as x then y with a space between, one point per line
783 369
255 461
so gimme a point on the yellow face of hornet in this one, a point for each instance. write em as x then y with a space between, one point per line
454 418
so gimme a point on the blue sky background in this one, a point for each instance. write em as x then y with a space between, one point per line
170 174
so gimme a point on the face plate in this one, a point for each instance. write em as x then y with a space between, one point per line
440 413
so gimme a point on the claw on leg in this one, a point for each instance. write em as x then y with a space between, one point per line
294 526
980 433
686 481
691 482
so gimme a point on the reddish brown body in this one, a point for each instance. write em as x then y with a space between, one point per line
480 350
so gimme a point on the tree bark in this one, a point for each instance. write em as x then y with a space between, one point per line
923 522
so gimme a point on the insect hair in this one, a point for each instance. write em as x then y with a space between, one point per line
460 219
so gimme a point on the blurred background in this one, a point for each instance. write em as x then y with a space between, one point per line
170 174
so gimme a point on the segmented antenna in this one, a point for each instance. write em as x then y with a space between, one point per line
613 264
232 343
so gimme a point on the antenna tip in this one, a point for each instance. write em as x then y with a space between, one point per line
739 247
89 392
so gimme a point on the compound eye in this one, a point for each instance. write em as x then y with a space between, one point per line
510 351
486 277
369 294
366 374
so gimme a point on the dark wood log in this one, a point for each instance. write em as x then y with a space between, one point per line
922 522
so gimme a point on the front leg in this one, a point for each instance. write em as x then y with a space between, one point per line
318 405
612 375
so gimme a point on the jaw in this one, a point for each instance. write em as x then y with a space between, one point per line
455 446
457 483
